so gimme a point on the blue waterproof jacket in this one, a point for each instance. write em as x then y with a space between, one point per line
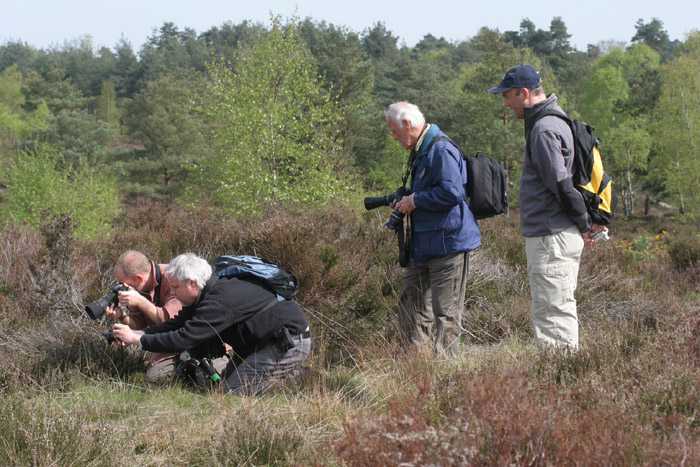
442 222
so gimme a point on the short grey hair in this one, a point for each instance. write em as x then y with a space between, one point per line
189 266
399 111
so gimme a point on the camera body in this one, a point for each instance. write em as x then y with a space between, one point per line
394 222
189 367
600 234
97 308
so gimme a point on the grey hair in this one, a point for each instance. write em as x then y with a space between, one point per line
399 111
189 266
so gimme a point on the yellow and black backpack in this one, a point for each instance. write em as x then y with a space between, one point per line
589 178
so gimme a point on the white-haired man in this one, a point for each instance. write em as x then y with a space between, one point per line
442 232
269 338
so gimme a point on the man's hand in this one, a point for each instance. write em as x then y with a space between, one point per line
587 240
405 206
125 334
113 311
132 299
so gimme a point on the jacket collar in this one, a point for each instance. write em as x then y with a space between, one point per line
424 140
532 111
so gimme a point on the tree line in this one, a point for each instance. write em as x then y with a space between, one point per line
244 115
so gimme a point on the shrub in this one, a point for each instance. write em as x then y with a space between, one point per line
37 182
685 253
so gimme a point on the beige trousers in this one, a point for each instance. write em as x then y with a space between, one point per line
552 270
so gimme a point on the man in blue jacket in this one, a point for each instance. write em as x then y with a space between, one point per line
442 232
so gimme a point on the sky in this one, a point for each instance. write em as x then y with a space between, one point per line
52 23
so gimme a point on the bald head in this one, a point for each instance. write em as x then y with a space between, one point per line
131 263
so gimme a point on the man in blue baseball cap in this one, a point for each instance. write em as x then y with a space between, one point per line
521 76
553 216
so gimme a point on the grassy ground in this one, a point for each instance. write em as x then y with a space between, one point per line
629 397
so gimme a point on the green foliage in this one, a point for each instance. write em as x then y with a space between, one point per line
490 126
347 72
171 51
387 61
82 139
16 124
276 127
615 100
11 89
616 89
386 173
653 35
606 87
165 119
36 182
625 152
643 247
106 104
676 163
54 88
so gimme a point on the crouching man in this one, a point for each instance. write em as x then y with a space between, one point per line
269 338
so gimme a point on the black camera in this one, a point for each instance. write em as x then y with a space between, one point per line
189 366
394 222
109 337
97 308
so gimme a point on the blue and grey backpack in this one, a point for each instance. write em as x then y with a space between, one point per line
280 281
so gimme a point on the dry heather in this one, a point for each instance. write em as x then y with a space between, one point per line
629 396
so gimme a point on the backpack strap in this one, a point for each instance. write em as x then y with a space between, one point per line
546 113
465 196
450 140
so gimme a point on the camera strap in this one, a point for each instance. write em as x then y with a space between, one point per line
404 236
156 291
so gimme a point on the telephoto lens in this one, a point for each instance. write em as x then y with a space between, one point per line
373 202
97 308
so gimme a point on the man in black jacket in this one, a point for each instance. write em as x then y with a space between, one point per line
269 337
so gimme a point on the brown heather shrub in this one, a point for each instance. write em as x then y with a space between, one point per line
506 417
629 396
348 281
497 298
685 253
501 419
18 248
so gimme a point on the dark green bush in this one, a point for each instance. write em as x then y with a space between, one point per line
685 253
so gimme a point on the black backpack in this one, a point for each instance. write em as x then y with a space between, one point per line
588 176
486 191
282 282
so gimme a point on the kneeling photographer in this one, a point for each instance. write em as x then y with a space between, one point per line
142 289
440 232
269 337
